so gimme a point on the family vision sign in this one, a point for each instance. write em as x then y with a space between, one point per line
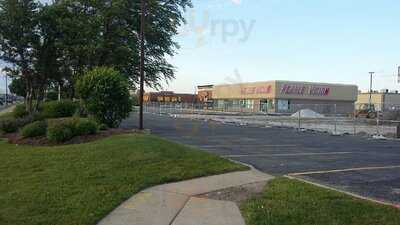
310 90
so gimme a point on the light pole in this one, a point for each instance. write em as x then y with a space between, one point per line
142 39
398 75
370 90
6 89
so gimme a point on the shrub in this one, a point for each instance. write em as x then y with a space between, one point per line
103 127
59 109
34 129
59 133
8 125
85 127
105 95
11 124
64 129
60 130
20 111
28 119
52 96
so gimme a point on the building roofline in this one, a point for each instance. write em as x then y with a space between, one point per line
205 86
378 93
287 81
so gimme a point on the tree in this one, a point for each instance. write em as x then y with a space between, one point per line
29 44
105 33
17 87
17 38
162 21
48 46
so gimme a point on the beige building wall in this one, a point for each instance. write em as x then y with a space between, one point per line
256 90
379 100
316 91
287 90
376 98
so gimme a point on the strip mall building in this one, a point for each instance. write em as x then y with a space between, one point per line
284 96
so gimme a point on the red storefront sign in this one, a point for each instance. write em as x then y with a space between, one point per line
256 90
311 90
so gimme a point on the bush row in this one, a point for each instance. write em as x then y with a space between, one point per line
34 129
53 109
60 130
11 125
56 130
20 117
104 94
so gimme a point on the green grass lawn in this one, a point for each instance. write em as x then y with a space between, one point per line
80 184
291 202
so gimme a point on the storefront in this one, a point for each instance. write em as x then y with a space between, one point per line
169 97
285 96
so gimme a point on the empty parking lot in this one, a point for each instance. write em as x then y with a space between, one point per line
362 166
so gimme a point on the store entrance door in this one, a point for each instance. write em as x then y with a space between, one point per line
264 105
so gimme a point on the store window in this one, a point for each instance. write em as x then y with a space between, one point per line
264 105
220 104
247 104
271 104
283 105
236 104
250 104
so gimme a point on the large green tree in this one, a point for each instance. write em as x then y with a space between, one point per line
163 19
105 33
52 45
17 39
28 44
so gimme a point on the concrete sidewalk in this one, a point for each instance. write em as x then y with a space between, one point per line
176 204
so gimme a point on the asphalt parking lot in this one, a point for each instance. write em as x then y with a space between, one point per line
359 165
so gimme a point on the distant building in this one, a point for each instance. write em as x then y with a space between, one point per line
281 96
383 100
205 95
169 96
204 92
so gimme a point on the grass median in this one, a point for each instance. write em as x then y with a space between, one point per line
80 184
291 202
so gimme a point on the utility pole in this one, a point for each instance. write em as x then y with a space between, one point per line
142 39
59 92
398 75
6 98
370 90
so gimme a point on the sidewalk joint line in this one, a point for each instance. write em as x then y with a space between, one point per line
179 211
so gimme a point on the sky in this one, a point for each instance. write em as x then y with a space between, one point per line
232 41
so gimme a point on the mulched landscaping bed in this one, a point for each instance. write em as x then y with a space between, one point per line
15 138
